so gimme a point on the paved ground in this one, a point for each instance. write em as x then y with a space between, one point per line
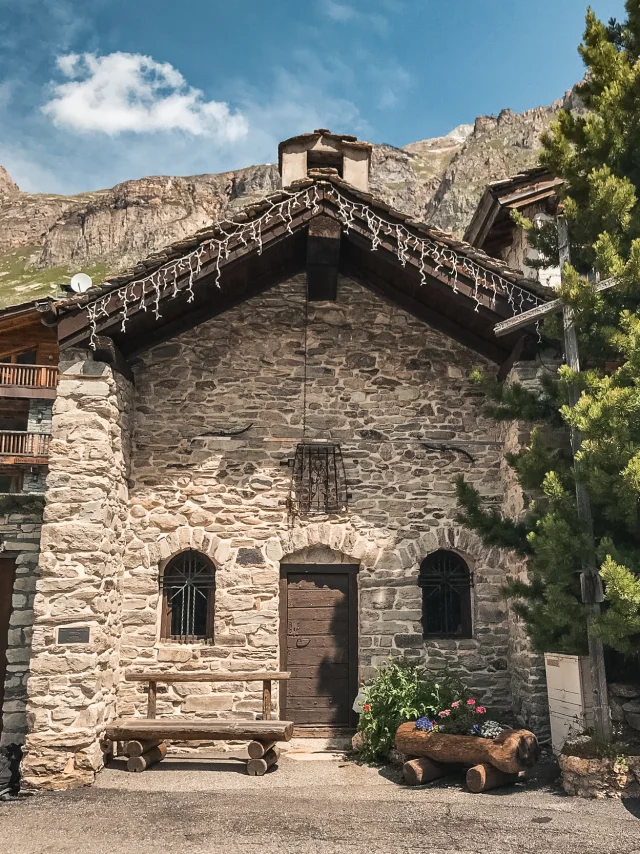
190 805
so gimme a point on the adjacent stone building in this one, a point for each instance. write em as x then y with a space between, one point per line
255 443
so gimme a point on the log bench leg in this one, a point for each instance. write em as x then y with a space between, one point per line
417 772
259 767
482 778
257 749
151 756
137 748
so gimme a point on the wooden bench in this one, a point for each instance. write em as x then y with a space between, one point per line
145 738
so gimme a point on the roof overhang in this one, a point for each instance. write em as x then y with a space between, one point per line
492 226
445 282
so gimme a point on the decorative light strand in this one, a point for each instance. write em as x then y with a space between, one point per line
443 255
166 281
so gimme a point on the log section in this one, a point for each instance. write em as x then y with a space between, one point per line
417 772
483 778
511 752
257 749
151 757
137 748
258 767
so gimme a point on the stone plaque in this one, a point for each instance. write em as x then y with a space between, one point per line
74 634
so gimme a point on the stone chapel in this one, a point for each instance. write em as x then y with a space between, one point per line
255 439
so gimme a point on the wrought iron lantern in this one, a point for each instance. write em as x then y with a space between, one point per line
318 481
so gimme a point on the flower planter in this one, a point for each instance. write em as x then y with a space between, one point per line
511 752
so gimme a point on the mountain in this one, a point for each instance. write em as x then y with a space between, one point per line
44 239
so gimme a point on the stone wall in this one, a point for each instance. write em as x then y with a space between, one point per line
526 667
34 481
600 778
21 541
382 384
40 416
72 688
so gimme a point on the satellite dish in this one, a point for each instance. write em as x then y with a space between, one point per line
80 283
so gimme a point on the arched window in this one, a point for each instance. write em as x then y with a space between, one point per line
446 596
188 597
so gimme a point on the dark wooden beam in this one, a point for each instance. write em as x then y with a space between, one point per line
323 257
73 326
376 283
519 353
137 341
448 312
241 279
107 351
488 302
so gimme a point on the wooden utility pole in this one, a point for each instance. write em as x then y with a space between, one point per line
590 580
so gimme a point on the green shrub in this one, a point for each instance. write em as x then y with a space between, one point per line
399 693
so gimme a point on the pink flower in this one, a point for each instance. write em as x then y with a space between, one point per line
455 704
471 702
445 713
480 710
367 707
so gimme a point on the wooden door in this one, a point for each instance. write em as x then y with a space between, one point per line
319 645
7 574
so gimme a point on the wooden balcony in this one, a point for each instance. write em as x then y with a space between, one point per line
35 381
17 446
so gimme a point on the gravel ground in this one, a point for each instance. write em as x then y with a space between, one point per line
190 805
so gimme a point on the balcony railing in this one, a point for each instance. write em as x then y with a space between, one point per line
15 443
28 376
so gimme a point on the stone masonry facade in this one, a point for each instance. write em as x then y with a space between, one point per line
20 532
140 474
72 689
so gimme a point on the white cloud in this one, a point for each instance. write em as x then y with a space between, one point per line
338 11
128 92
342 13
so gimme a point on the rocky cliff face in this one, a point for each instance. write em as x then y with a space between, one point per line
46 238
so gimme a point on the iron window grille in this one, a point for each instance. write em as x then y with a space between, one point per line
318 481
445 581
188 584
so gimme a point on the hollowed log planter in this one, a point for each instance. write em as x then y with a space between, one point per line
511 752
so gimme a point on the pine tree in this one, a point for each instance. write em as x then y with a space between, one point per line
596 151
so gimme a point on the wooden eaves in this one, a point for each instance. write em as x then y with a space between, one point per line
468 316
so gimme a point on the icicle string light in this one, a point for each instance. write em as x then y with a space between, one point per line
445 257
181 273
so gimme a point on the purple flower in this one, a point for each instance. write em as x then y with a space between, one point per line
424 724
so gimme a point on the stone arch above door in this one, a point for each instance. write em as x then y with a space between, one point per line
334 540
319 554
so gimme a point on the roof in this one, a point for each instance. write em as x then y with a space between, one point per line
36 305
492 217
448 282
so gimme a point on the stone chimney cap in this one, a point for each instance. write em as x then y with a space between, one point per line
307 152
345 140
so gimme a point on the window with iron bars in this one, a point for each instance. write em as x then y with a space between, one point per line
445 581
188 584
318 481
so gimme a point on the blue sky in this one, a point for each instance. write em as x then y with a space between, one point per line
95 92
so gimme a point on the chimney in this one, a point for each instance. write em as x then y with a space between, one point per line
344 155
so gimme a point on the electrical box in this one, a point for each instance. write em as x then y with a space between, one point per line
570 696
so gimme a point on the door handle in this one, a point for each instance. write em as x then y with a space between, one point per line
302 642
